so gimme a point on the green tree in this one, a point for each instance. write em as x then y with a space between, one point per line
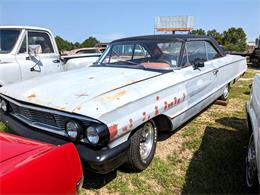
199 31
216 35
89 42
234 39
63 45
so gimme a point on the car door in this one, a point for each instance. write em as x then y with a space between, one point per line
198 82
36 55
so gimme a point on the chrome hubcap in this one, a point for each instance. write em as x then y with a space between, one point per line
146 141
251 163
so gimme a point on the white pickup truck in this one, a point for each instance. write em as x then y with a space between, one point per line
27 52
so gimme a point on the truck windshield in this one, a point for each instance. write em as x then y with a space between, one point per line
154 54
8 39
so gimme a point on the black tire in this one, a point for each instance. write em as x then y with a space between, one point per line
134 160
251 171
225 95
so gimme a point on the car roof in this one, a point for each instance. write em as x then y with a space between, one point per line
25 27
173 37
165 37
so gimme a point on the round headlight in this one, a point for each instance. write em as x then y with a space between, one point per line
73 130
92 135
3 105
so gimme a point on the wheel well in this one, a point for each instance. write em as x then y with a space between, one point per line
162 122
249 124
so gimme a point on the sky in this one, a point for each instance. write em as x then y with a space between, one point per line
76 20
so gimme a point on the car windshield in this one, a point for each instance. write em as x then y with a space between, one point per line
8 39
154 54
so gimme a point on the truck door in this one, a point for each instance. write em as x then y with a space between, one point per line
36 56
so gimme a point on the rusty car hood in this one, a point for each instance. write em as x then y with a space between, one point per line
73 91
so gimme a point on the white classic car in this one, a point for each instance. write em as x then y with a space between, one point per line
253 154
27 52
113 109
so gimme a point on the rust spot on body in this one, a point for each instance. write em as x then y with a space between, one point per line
81 95
157 98
175 100
125 129
116 96
165 106
113 130
77 110
144 116
31 97
131 123
156 110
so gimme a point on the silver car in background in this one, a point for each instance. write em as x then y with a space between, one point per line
253 153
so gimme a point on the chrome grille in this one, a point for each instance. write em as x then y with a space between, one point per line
41 118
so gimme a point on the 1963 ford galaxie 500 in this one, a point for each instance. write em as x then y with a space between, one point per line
113 110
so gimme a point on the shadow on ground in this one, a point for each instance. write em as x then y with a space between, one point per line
97 181
218 165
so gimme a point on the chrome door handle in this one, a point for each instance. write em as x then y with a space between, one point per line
56 61
215 72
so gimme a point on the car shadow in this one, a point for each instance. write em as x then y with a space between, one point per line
96 181
218 166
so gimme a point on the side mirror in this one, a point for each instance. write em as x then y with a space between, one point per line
35 49
199 64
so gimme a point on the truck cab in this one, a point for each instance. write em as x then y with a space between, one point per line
27 52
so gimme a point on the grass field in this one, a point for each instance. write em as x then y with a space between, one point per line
206 155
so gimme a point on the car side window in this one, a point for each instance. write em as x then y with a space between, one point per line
211 52
196 51
40 40
120 53
140 52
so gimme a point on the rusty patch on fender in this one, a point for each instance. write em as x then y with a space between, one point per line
116 96
77 110
131 123
113 130
31 97
125 129
81 95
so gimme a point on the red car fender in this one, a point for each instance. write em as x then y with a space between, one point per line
56 171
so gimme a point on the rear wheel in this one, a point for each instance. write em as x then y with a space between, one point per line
225 94
251 168
142 147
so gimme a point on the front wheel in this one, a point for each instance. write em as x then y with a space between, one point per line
142 147
251 168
